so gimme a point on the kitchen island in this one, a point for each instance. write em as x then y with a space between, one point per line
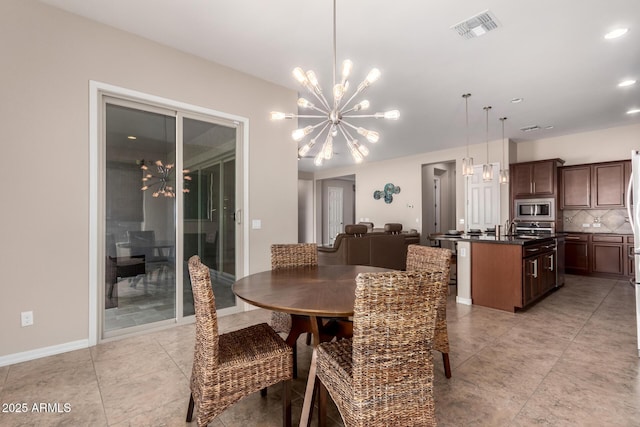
510 272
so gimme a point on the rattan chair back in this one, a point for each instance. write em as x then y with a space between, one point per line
291 255
384 375
426 258
233 365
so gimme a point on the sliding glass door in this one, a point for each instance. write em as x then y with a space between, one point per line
169 194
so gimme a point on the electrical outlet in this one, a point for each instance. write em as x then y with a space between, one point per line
27 318
597 225
586 225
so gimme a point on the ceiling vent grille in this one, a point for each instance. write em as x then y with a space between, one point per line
530 128
477 25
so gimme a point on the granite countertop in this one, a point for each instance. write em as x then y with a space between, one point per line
492 238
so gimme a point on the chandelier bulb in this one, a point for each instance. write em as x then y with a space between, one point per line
372 77
338 92
347 66
300 76
299 134
363 105
361 148
318 159
313 80
305 103
372 136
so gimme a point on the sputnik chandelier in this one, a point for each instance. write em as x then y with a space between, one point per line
333 115
162 179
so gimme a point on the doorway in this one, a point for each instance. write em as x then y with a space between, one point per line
170 191
336 202
438 199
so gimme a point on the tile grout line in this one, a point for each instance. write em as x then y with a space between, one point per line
562 354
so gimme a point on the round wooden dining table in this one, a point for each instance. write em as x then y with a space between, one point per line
309 294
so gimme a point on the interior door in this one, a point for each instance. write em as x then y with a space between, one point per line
483 200
336 224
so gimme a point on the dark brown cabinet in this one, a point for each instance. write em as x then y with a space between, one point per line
594 186
607 254
534 179
599 254
576 253
575 190
538 270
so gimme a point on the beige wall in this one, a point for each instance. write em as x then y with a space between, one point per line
597 146
406 172
48 58
589 147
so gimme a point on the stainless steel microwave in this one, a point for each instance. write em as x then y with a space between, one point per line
534 209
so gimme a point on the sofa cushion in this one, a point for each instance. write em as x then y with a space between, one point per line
393 228
355 229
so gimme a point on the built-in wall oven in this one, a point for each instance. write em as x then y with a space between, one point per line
534 209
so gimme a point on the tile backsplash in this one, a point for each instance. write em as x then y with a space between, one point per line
596 221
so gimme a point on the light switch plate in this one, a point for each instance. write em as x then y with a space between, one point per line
586 225
597 225
256 224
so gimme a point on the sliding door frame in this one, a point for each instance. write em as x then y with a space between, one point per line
96 250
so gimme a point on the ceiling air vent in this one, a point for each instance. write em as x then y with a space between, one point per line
530 128
477 25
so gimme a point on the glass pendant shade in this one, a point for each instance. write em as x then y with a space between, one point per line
504 176
487 172
467 166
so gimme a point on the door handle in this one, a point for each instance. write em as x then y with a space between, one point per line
535 268
237 216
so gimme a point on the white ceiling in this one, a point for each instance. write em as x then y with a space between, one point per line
550 52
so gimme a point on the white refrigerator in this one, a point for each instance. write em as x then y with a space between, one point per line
633 210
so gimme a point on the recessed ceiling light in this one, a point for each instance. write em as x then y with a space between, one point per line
618 32
131 137
626 83
516 100
634 111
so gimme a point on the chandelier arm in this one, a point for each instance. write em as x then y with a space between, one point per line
346 134
356 93
364 116
349 124
319 96
306 116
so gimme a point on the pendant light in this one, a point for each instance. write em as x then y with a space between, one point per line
487 169
504 172
467 162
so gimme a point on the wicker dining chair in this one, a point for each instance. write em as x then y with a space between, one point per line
230 366
435 259
291 255
383 376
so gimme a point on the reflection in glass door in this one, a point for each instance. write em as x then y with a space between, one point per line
209 206
139 216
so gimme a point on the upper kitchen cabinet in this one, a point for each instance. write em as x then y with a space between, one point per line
534 179
575 187
594 186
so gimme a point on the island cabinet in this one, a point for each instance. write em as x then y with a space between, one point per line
595 185
511 276
534 179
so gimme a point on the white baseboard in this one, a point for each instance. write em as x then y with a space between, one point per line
465 301
24 356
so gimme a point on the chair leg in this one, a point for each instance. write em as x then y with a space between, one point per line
263 392
322 404
295 360
286 403
190 409
447 366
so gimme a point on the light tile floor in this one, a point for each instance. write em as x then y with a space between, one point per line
570 360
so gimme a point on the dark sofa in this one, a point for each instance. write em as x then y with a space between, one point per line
357 246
